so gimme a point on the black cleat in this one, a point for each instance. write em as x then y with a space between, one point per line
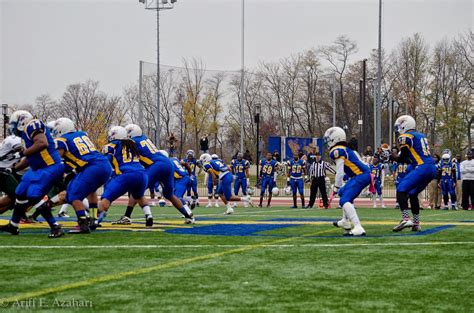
149 221
56 232
9 228
82 227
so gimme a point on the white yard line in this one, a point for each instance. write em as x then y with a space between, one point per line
309 245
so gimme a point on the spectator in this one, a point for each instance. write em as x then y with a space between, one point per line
311 156
467 175
276 156
172 144
204 143
369 152
247 156
434 192
457 164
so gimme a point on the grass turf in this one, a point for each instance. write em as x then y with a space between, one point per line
277 259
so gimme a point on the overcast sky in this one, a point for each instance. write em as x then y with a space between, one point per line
46 45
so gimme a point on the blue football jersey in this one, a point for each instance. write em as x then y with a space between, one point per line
179 170
192 164
353 165
403 169
296 168
121 159
418 147
218 167
79 150
240 167
376 170
268 167
46 157
148 151
446 170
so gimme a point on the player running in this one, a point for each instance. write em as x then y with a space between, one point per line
414 149
347 163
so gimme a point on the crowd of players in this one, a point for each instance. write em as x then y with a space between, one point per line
56 164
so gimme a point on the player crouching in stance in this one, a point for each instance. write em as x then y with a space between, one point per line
45 169
415 150
218 170
159 170
348 163
93 170
129 175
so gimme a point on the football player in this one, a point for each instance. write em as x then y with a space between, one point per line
240 169
218 170
45 169
378 171
9 156
192 163
347 163
267 172
296 170
129 175
414 149
447 181
182 180
159 168
92 168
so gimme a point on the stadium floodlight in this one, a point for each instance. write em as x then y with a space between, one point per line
158 5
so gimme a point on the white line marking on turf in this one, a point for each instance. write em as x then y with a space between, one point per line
315 245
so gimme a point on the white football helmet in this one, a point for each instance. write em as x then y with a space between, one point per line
116 133
133 130
50 125
275 191
214 156
205 157
164 152
288 190
334 135
445 158
63 126
190 152
404 123
19 120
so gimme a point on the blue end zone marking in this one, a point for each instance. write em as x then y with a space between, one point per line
254 229
228 229
320 219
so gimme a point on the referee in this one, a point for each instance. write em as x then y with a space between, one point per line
317 174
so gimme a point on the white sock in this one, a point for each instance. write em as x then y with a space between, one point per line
228 206
351 213
381 200
86 203
188 210
209 201
374 200
55 199
63 208
146 210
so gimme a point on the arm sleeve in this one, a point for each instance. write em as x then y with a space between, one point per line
339 173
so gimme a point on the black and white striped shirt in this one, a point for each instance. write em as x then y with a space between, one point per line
318 169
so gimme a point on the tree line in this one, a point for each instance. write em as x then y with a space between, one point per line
433 84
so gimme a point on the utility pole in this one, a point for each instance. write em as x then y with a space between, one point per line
378 120
242 80
158 5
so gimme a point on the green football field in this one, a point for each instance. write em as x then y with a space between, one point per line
271 260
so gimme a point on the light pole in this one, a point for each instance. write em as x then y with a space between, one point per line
5 119
158 5
378 124
257 122
242 80
333 102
